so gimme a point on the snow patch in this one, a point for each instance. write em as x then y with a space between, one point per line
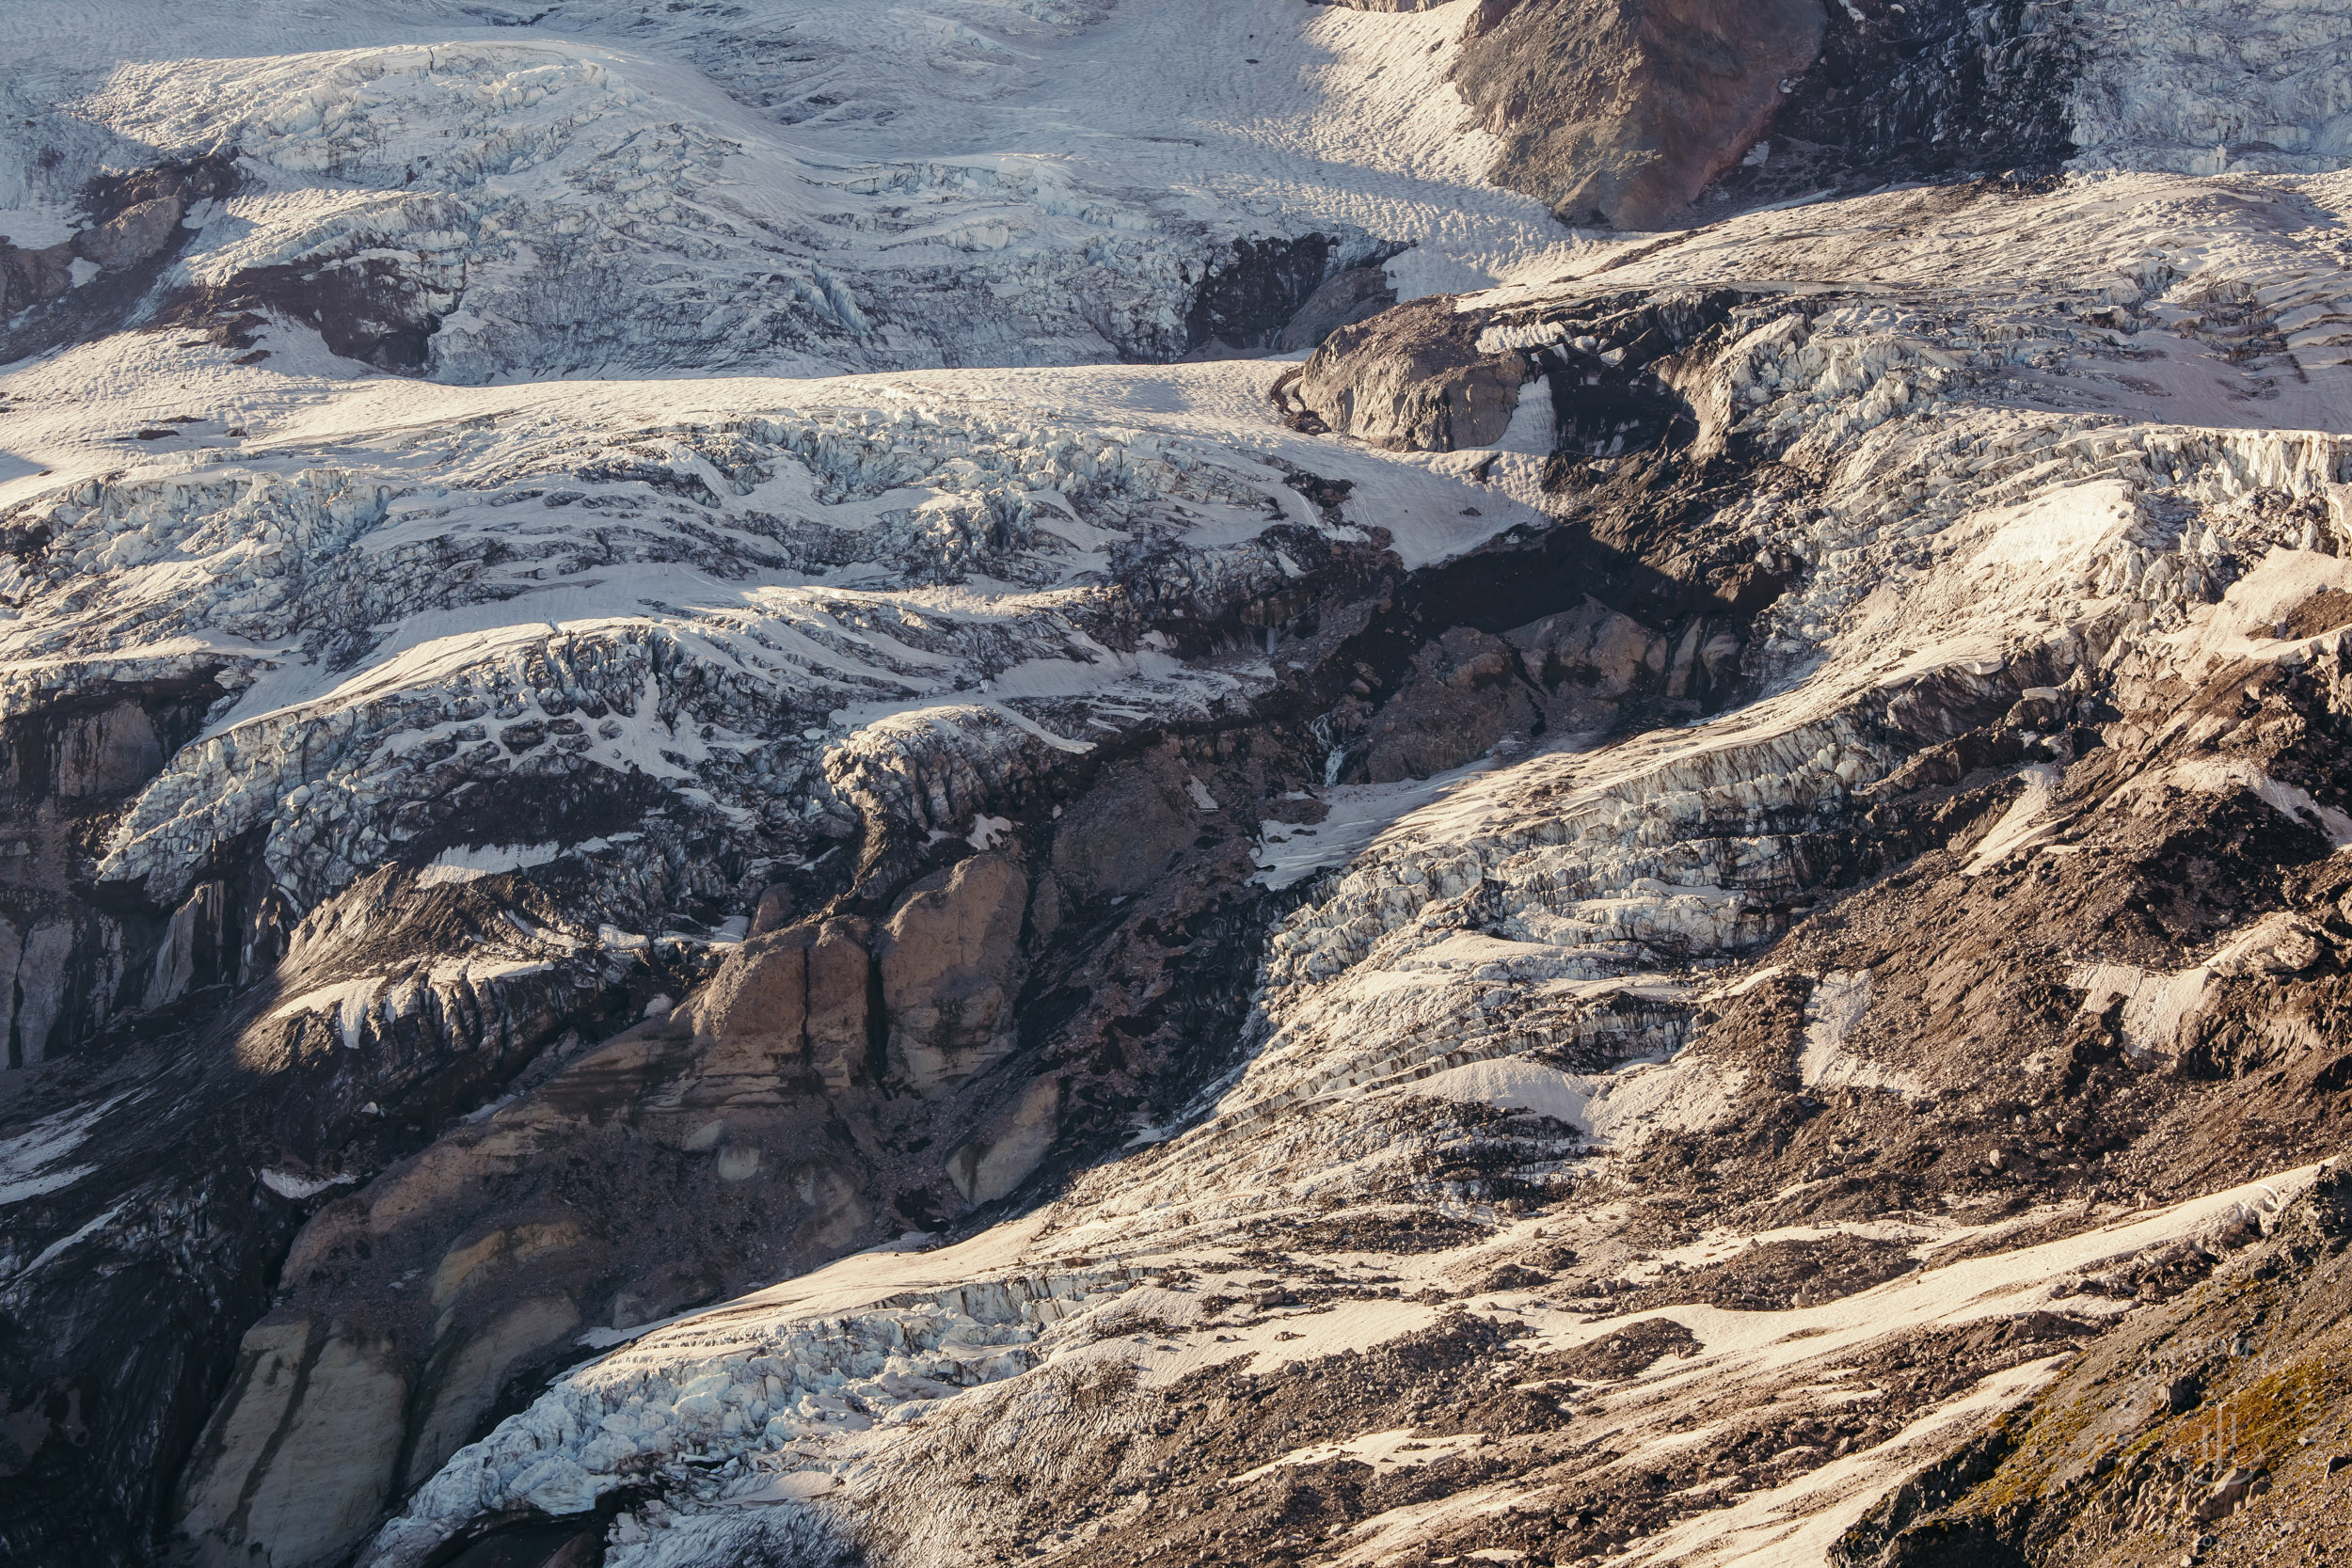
29 1161
287 1184
1838 1001
2022 826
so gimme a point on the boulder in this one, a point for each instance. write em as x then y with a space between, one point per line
30 278
1590 649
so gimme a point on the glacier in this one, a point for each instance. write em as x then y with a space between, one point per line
978 781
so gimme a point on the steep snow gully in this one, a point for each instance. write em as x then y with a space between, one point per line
1519 780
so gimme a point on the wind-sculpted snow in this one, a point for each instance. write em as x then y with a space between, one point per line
734 608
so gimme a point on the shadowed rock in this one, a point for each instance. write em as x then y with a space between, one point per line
1345 298
1468 690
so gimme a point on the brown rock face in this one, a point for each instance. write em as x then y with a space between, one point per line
948 960
1009 1147
838 1014
329 1404
133 235
755 1010
1619 112
1469 690
790 996
608 1195
1413 379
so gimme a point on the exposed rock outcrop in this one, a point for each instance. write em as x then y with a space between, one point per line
325 1410
1620 111
1416 378
1432 376
1342 299
1647 116
133 231
949 956
1936 91
1278 294
1469 690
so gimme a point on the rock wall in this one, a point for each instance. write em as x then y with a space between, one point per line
133 228
1939 89
74 957
949 960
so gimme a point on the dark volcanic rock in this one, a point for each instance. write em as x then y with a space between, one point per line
1622 1353
1429 377
1244 304
1343 299
364 308
1625 113
370 1158
1935 89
